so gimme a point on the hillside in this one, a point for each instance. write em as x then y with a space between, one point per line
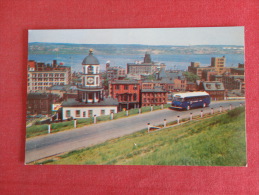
217 141
120 49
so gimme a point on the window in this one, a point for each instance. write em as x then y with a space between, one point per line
77 113
126 87
208 86
84 114
135 97
90 113
90 70
117 87
102 112
68 114
218 86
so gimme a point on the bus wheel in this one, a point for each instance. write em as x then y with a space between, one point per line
188 108
204 105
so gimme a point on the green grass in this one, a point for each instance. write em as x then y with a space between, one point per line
217 141
36 130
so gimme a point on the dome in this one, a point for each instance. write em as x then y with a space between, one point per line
90 59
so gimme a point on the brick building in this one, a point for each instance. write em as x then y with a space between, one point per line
127 92
196 69
153 97
40 103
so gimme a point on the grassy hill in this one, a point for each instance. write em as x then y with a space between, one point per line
217 141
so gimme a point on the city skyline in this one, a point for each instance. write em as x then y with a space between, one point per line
143 36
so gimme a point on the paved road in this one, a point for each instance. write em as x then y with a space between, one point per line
52 144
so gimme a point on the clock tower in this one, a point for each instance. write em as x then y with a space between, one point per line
90 90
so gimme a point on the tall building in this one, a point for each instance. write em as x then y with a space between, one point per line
91 100
42 76
146 67
90 91
218 63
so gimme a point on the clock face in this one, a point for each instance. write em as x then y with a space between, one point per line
90 80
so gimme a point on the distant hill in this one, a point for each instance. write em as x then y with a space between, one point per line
121 49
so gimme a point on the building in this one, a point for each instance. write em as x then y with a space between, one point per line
127 92
218 63
191 86
146 67
207 75
232 82
42 76
64 91
240 70
214 88
171 80
217 67
196 69
114 72
153 97
90 99
40 103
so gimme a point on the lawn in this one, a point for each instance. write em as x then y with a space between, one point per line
216 141
36 130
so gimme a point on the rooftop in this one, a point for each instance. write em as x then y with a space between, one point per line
125 82
90 59
105 102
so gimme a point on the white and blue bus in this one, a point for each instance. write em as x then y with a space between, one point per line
190 100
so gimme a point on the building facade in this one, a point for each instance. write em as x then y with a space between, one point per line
127 92
42 76
146 67
218 63
196 69
90 99
215 89
40 103
114 72
153 97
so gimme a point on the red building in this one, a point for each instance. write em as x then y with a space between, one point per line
153 97
127 92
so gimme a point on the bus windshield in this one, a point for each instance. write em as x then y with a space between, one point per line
178 99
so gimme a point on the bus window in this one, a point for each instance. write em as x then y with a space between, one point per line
178 99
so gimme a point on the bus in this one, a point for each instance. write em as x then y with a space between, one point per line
190 100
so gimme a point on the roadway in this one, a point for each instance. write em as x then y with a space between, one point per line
52 144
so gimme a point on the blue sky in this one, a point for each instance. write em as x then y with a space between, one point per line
146 36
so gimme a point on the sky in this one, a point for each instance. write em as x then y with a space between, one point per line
144 36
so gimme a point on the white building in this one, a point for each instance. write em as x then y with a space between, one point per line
41 76
91 100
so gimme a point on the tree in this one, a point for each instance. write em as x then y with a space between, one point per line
191 77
